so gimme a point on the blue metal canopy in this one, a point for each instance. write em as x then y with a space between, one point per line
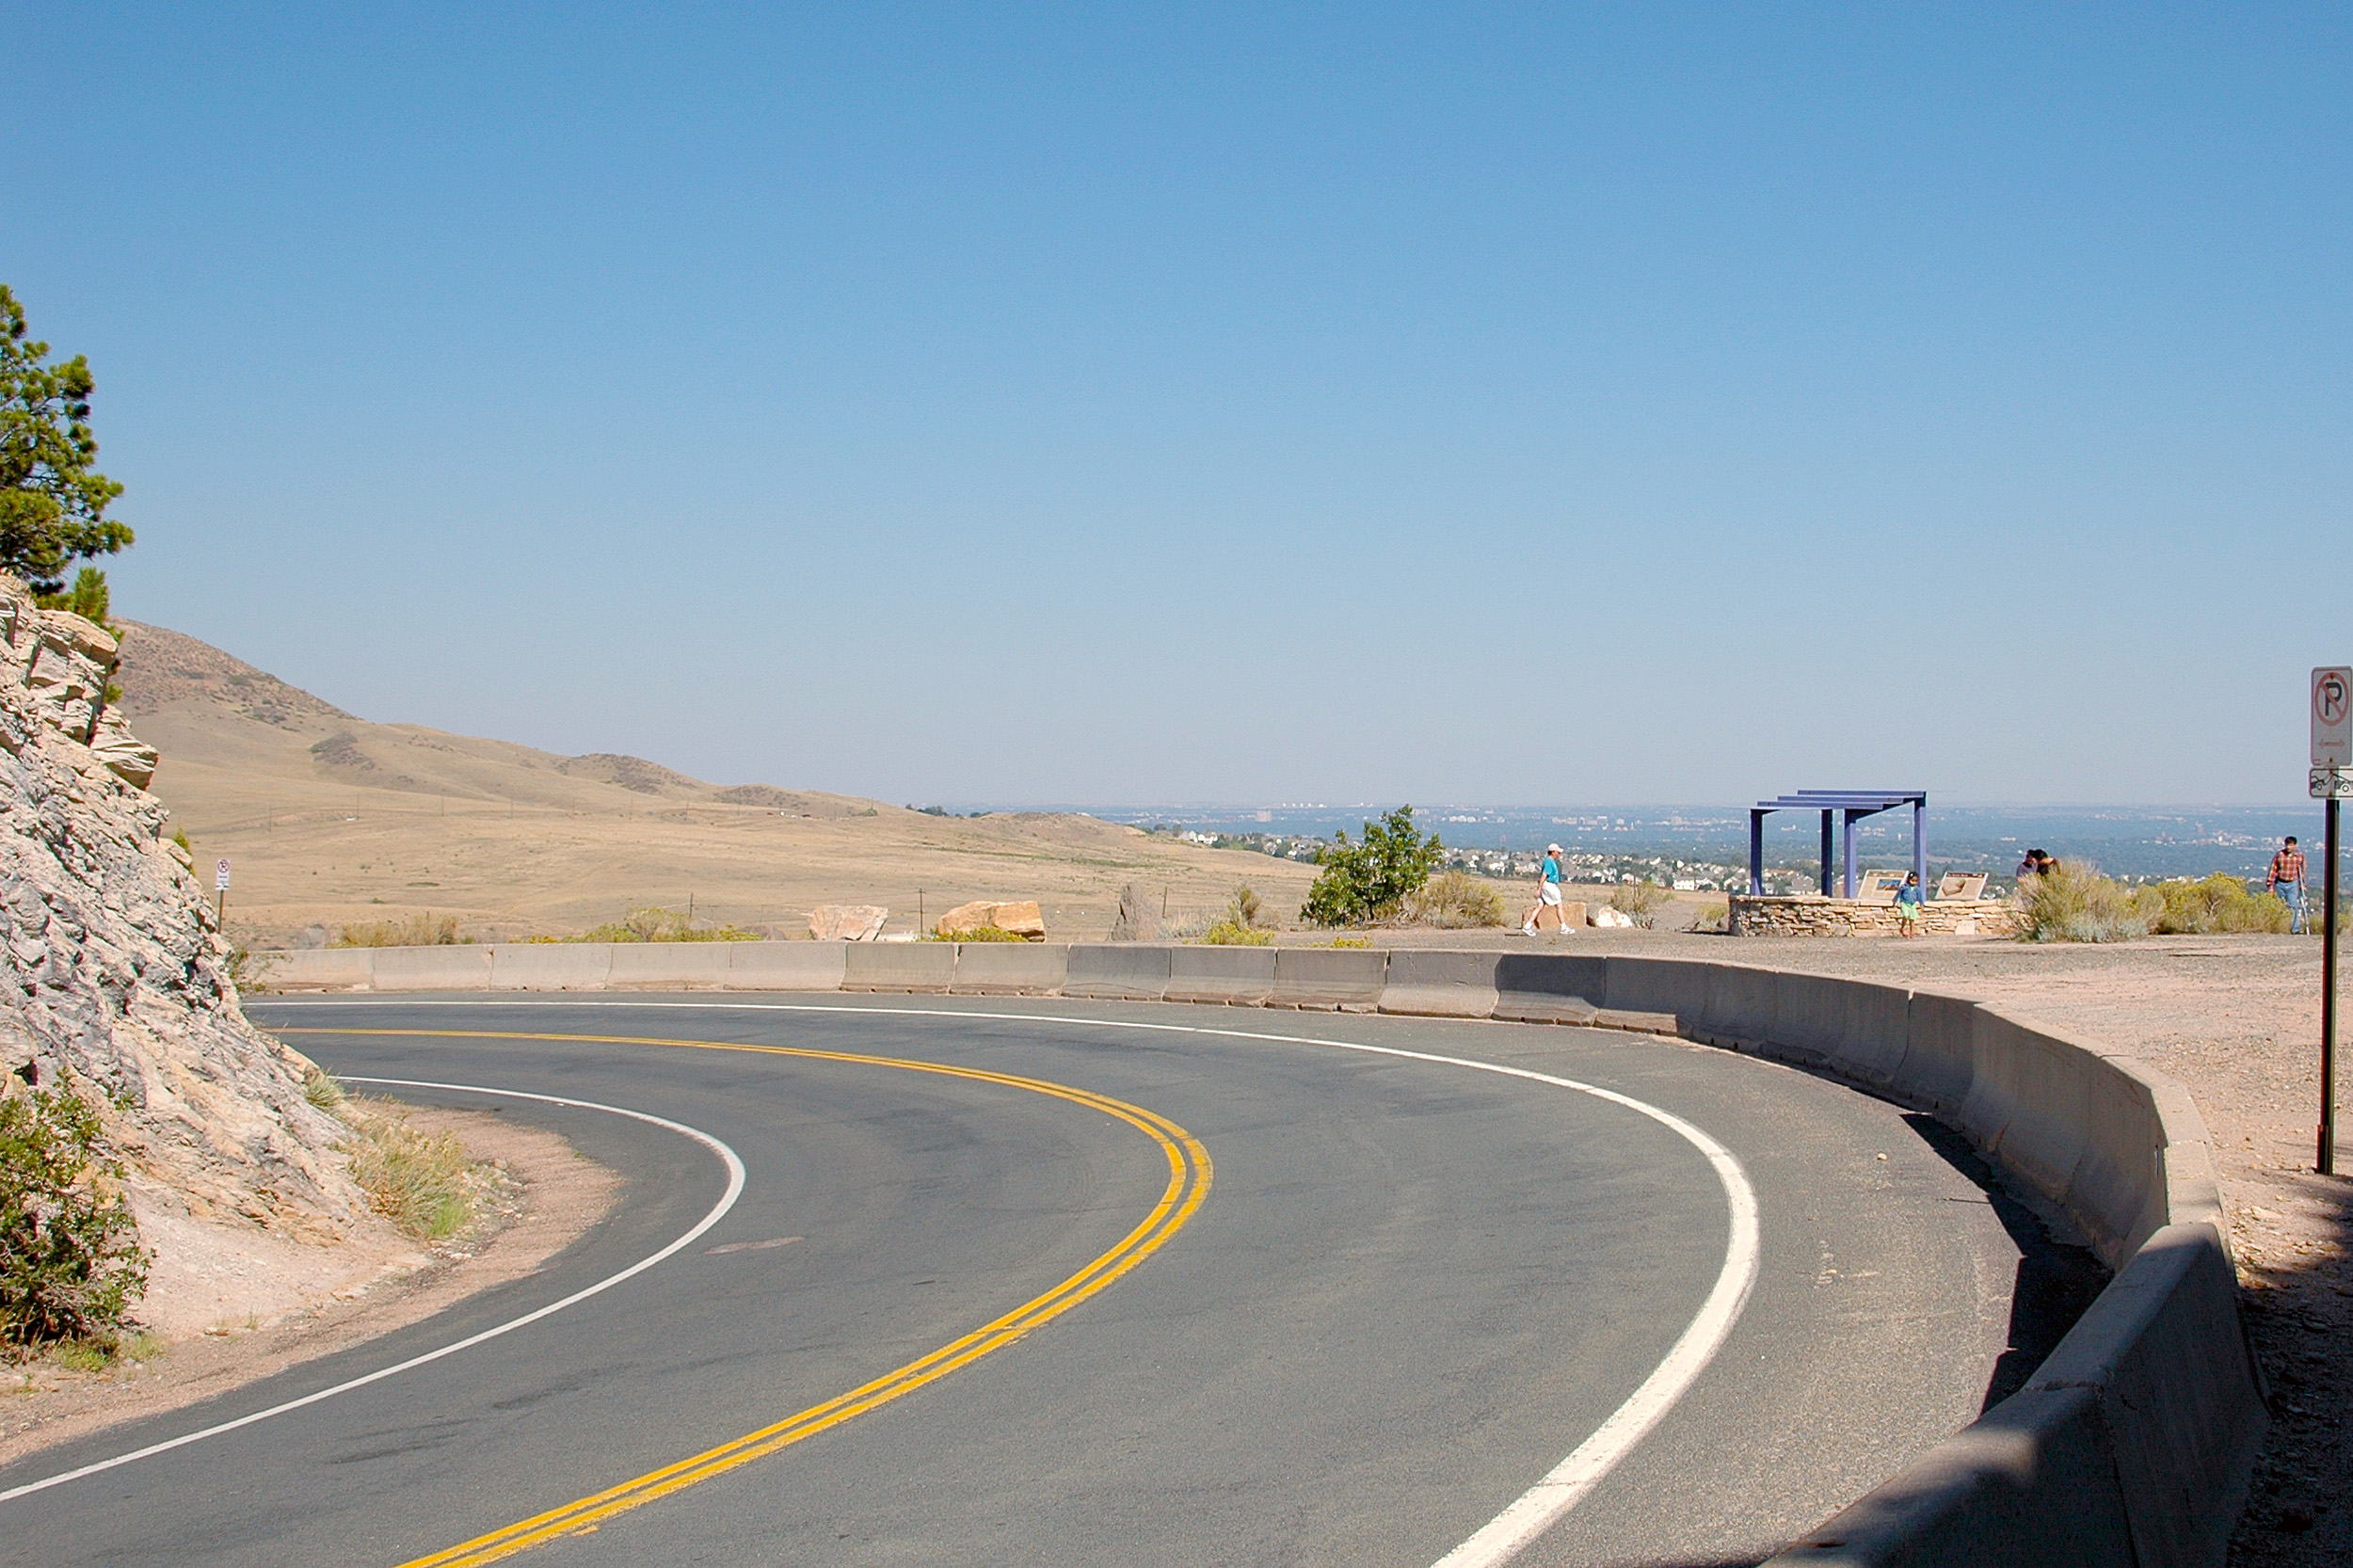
1854 805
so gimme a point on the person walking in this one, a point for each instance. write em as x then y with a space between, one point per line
1547 892
2286 880
1908 905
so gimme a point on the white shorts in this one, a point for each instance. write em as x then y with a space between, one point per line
1548 892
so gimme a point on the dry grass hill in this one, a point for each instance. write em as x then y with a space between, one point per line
331 820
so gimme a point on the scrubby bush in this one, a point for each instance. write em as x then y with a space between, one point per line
978 934
1456 901
1366 882
1352 941
70 1258
421 1181
1639 902
416 931
1713 920
656 924
2220 902
2076 903
1231 933
1244 907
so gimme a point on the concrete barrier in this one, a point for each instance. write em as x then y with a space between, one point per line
786 965
1440 984
1329 979
918 967
461 968
1859 1030
1940 1054
1741 1007
2132 1445
1011 968
1117 971
314 970
551 965
1236 976
1673 989
1549 988
670 965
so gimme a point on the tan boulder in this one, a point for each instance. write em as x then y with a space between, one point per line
847 923
1022 919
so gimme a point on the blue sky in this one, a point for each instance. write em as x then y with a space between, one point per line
1239 405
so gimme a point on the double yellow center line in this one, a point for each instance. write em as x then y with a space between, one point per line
1188 1174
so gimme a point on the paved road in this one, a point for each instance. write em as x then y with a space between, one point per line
1413 1288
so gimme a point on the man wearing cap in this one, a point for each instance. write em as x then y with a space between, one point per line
1548 891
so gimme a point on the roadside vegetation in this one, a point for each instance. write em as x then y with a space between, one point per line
977 933
1454 901
1242 923
421 1181
70 1264
2076 903
418 931
1640 901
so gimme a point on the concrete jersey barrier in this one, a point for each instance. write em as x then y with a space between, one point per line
2131 1446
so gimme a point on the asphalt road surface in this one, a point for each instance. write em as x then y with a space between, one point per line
1408 1289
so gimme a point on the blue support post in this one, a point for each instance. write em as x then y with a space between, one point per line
1757 853
1848 881
1920 843
1826 854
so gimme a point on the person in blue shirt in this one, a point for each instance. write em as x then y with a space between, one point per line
1547 892
1908 905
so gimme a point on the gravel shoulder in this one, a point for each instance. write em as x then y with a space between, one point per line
550 1195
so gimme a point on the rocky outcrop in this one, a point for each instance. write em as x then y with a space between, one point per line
112 976
847 923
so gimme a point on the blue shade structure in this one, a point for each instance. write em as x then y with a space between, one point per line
1854 805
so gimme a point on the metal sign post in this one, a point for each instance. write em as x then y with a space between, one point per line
2331 779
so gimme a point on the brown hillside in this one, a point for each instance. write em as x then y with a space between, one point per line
330 820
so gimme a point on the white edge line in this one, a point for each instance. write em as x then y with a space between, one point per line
1568 1483
735 1189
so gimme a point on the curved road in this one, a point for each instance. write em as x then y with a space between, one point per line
1410 1290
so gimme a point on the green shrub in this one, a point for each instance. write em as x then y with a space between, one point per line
2076 903
979 934
416 931
1370 881
1233 933
1352 941
1639 902
1456 901
1713 920
70 1258
2220 902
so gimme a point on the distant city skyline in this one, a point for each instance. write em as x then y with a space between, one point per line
1240 403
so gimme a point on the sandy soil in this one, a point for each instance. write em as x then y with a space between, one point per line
546 1196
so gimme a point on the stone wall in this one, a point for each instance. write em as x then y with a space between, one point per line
1811 915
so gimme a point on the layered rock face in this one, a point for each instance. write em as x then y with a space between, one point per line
112 976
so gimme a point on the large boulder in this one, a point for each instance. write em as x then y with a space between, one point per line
1022 919
1139 917
847 923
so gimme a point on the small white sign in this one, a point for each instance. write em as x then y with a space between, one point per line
2330 784
2332 718
220 873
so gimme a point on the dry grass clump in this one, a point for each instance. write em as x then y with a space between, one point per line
1453 901
2221 903
2076 903
416 931
1232 933
421 1181
1639 902
656 924
978 934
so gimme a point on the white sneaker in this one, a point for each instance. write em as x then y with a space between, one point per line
1527 931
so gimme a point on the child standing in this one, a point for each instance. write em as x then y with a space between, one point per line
1908 905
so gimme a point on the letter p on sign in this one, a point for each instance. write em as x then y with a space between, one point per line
2332 718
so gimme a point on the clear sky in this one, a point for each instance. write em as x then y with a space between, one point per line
1518 404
